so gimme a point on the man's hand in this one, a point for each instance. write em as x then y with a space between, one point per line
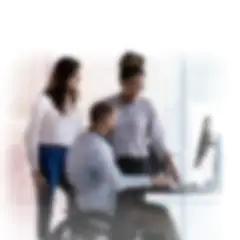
171 169
162 181
39 180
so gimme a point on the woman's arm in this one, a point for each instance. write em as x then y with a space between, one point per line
32 131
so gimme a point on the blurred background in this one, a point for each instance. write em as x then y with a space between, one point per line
184 89
186 80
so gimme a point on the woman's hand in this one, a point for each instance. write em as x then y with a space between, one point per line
39 180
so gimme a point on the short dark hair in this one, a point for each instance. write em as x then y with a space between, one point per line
131 58
130 65
99 111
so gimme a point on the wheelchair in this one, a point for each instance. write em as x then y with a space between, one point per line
93 228
90 227
97 226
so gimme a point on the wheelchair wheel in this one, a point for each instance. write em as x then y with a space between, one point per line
91 231
61 232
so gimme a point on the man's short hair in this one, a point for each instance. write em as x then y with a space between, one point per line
131 64
99 111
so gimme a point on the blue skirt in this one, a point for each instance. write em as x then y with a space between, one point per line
52 161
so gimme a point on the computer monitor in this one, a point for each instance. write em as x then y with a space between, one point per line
205 141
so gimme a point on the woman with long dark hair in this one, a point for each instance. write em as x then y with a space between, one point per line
55 122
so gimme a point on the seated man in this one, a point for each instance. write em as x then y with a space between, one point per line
96 178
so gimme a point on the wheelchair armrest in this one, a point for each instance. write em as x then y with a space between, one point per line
99 221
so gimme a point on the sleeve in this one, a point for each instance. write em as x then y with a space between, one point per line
117 179
32 131
156 133
73 165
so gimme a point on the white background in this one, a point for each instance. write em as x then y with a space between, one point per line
40 30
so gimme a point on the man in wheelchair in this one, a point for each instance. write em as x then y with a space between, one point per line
103 192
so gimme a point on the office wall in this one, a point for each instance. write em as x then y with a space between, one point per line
204 83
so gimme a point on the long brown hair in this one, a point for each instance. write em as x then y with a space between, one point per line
57 88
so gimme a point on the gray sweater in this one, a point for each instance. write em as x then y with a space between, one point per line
137 127
92 171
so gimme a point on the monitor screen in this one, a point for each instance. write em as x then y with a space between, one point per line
204 142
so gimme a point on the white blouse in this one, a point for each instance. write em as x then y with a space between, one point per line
48 126
137 126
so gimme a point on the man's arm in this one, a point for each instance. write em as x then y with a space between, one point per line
119 180
157 142
101 167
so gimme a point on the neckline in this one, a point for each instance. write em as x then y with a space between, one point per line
127 103
95 133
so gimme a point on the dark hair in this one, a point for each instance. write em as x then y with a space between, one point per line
57 88
99 111
130 65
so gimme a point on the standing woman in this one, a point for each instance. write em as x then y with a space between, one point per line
54 124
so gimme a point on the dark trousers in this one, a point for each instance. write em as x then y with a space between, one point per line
52 166
135 216
140 165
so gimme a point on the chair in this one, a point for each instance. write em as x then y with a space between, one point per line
96 225
81 226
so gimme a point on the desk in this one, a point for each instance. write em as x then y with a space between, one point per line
192 212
